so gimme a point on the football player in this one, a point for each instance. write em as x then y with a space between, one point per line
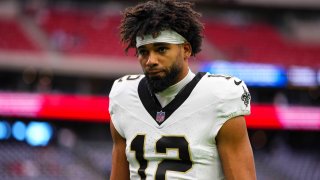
170 123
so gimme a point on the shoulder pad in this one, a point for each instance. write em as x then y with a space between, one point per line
226 87
124 83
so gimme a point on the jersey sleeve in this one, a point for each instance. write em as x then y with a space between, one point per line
121 95
234 100
114 108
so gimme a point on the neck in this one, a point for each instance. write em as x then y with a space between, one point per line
182 74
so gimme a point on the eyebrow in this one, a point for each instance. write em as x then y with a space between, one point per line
155 45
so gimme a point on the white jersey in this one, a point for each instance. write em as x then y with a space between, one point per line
177 141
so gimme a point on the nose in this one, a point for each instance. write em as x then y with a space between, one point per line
152 59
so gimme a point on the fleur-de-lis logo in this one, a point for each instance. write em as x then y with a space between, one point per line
245 97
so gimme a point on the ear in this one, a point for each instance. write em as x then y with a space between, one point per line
187 50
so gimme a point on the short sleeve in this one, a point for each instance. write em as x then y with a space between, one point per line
233 101
114 109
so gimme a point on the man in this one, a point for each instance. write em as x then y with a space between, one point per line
171 123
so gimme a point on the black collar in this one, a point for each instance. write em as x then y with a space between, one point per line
152 105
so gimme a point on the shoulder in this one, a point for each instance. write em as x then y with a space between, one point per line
125 84
224 86
231 95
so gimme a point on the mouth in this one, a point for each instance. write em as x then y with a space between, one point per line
154 72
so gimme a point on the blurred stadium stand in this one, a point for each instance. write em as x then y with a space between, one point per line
72 47
14 38
259 42
77 31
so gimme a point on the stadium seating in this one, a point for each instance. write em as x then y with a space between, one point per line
12 37
74 31
20 161
284 162
259 42
82 32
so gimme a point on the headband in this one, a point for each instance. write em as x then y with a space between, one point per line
166 36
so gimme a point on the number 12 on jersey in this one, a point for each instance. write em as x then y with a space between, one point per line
180 164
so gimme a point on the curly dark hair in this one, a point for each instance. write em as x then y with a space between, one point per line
155 16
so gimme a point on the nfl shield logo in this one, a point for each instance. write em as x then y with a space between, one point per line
160 116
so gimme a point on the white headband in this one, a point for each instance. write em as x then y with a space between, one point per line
166 36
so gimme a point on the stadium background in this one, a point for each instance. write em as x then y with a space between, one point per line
58 60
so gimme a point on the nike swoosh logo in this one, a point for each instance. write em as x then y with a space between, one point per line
237 82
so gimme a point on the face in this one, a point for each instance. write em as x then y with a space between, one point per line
164 64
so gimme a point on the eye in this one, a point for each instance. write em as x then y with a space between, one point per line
142 52
162 49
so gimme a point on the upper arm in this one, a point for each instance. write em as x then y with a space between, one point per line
120 165
235 150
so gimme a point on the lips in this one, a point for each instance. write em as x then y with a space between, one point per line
154 72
